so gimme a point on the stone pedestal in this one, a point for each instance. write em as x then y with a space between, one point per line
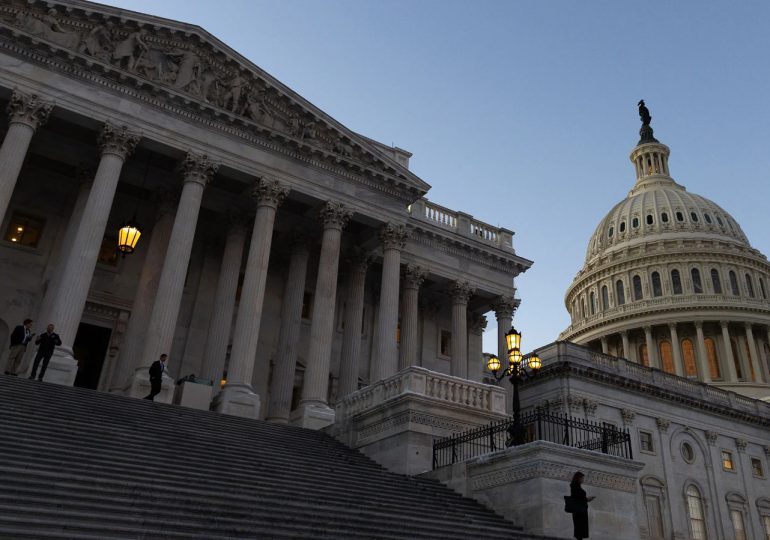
527 485
193 395
395 421
139 386
62 369
312 416
237 400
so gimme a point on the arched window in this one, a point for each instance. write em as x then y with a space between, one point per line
605 298
649 219
697 287
719 220
620 295
676 282
695 514
707 218
583 307
694 217
610 232
643 358
666 358
635 222
762 288
734 284
736 359
592 296
637 288
715 282
657 289
688 357
713 359
622 227
750 286
664 217
679 216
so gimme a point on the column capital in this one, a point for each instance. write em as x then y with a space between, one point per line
647 329
393 236
84 173
672 326
477 323
118 141
461 292
624 334
198 168
748 326
358 259
505 306
724 324
239 222
166 201
698 325
334 215
28 109
269 192
414 276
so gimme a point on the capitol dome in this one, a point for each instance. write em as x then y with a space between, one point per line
671 281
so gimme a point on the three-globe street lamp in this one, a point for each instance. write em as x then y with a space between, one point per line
516 372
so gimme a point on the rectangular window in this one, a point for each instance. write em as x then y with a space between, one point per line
756 467
727 461
445 343
108 252
24 230
736 516
645 441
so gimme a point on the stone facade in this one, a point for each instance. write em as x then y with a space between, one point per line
114 114
671 281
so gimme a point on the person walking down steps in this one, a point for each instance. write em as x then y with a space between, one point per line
20 337
156 376
46 343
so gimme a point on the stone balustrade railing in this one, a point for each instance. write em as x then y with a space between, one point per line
663 301
563 350
433 386
462 224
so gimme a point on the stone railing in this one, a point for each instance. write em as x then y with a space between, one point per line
448 390
563 350
666 301
462 224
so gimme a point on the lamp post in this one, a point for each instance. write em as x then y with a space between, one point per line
516 372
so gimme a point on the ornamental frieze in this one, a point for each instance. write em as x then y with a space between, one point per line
178 66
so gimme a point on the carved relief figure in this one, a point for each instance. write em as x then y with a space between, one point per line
237 87
343 149
257 109
47 26
130 50
98 42
188 71
156 65
308 131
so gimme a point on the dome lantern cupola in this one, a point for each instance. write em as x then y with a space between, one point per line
650 157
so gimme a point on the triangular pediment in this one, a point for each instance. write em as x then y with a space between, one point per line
183 65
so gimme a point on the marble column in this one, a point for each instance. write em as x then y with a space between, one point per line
237 396
732 374
626 345
215 352
26 113
476 365
652 350
385 349
755 363
676 349
605 345
354 311
461 292
408 351
313 411
703 363
505 307
116 144
279 406
129 357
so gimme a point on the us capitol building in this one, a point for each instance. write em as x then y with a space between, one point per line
281 253
670 281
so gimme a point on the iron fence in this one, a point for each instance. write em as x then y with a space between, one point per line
536 425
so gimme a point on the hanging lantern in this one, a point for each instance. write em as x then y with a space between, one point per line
128 236
513 339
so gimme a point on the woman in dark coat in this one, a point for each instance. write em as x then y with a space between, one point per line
580 515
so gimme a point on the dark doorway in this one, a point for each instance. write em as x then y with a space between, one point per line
90 348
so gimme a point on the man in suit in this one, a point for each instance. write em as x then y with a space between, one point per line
156 376
20 336
46 342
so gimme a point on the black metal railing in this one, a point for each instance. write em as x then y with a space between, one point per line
537 425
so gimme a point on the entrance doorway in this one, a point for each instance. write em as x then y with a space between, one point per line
90 348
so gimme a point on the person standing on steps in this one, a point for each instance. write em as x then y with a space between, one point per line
20 336
156 376
46 343
580 515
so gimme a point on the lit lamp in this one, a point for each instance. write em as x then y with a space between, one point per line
515 372
128 236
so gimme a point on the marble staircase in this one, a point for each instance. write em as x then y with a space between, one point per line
83 464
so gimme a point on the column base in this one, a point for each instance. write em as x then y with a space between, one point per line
138 386
193 395
237 400
312 415
62 369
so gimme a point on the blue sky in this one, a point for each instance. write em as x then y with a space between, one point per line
523 113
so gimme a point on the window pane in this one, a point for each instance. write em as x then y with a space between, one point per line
736 517
695 513
750 286
637 288
593 303
711 353
643 356
697 287
676 282
688 356
727 461
734 284
605 298
666 357
715 281
657 290
620 295
24 230
654 520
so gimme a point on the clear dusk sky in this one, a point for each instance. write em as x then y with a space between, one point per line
523 113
